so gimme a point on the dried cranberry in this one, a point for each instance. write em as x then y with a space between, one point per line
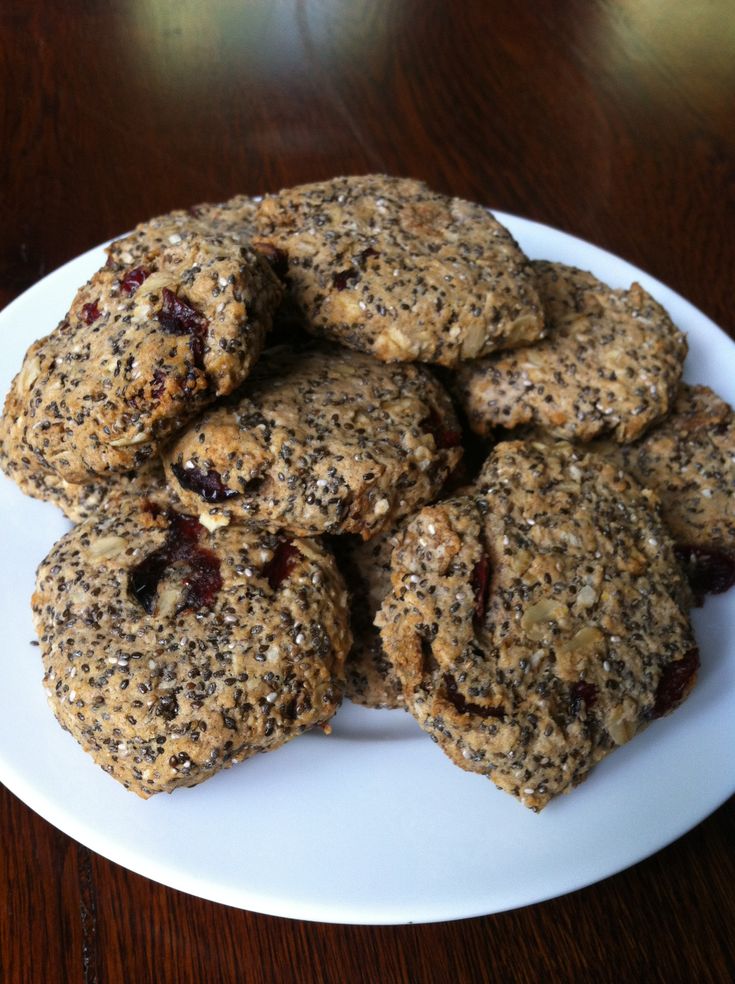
159 384
464 706
708 570
582 693
444 437
133 279
208 485
179 318
202 578
341 279
90 313
480 581
674 682
281 563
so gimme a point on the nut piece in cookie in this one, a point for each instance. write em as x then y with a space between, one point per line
172 652
610 364
541 622
319 440
141 351
369 675
387 266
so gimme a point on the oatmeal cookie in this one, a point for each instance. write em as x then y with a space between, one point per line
610 364
77 502
386 266
319 440
541 622
171 652
141 351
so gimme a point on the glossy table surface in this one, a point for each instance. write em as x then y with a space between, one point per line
614 121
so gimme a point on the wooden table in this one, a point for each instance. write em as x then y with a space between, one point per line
614 121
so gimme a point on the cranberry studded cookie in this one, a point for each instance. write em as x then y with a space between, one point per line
541 622
172 652
610 364
319 440
141 351
386 266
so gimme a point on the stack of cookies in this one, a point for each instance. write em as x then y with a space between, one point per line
347 440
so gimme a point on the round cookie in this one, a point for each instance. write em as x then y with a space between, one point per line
386 266
233 219
171 652
319 440
77 502
610 363
370 678
688 460
541 622
141 351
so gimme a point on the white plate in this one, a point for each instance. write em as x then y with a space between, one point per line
372 824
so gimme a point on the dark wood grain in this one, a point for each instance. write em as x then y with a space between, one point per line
610 120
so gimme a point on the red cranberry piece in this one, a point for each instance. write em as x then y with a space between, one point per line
582 693
176 317
341 279
208 485
133 279
464 706
480 581
90 313
674 682
281 563
202 577
708 570
159 384
444 437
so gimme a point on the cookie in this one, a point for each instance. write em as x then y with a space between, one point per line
541 622
387 266
232 219
171 652
610 363
370 678
319 440
141 351
77 502
688 460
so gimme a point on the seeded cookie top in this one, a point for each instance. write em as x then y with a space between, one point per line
140 352
610 364
319 440
171 652
386 266
232 219
540 623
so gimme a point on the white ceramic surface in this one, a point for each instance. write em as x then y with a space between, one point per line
372 824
